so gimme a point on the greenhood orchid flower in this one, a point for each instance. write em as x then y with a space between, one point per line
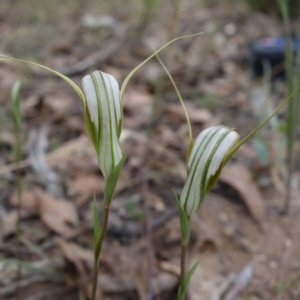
103 118
205 164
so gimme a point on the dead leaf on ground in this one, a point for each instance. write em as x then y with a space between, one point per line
196 114
81 163
75 253
241 281
8 224
58 157
162 282
66 151
138 103
240 178
80 257
85 186
58 215
27 201
55 103
165 135
137 98
208 282
156 201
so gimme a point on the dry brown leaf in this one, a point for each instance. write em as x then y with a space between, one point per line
248 152
85 186
165 136
239 178
138 103
28 200
137 98
80 163
56 158
169 267
196 114
79 257
66 151
156 201
75 253
8 224
55 103
162 282
58 215
207 283
241 281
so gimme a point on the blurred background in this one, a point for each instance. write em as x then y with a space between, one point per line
234 73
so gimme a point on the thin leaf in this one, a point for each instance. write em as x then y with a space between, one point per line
65 78
183 106
184 221
81 296
253 132
35 248
292 107
31 267
182 290
282 287
124 85
112 181
97 226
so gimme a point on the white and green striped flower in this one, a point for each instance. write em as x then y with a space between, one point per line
205 164
103 118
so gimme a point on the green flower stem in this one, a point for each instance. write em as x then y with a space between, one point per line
182 269
99 246
16 114
19 207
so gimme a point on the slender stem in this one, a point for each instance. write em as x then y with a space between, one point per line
19 204
182 266
292 107
175 19
99 246
188 121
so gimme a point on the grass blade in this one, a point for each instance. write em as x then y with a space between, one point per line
65 78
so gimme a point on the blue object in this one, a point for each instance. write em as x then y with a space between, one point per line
272 50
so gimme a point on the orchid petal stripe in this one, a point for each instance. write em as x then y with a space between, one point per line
205 162
103 118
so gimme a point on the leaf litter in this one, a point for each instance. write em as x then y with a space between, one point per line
56 217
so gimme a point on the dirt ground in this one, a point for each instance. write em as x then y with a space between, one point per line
248 247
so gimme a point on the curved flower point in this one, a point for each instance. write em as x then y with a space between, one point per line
205 164
103 118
